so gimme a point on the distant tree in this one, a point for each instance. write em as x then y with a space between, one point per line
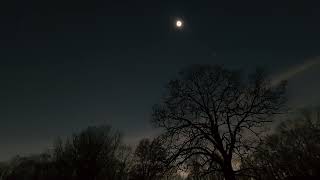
216 114
63 158
36 167
292 152
124 162
91 154
149 160
95 153
3 169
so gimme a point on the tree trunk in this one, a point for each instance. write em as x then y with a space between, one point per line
228 172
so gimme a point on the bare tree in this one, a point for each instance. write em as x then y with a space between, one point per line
90 154
95 153
33 167
291 152
216 114
124 157
150 159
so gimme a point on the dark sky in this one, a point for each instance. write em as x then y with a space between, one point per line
67 64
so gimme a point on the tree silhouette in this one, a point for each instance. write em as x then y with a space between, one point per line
95 153
216 114
292 152
34 167
150 159
124 162
91 154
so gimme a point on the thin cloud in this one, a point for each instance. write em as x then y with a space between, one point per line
294 71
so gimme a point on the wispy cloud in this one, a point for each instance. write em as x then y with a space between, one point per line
296 70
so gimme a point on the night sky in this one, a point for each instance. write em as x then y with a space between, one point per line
67 64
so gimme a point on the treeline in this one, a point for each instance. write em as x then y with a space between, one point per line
216 124
95 153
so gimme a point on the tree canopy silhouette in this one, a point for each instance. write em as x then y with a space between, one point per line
150 158
216 113
291 152
90 154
